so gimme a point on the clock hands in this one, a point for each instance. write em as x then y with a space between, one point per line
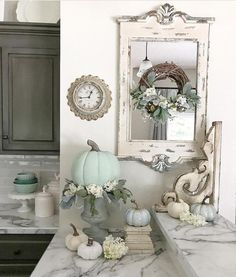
81 97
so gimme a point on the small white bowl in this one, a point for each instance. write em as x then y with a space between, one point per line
25 176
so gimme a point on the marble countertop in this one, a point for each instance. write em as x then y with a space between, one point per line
13 222
57 261
209 250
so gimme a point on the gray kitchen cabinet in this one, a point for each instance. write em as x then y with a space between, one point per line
20 253
30 88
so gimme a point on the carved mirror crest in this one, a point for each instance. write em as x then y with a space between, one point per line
163 75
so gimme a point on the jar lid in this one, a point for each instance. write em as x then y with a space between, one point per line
53 184
44 193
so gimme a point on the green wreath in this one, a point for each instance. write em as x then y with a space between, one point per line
155 106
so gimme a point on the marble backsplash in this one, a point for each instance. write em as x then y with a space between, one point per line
45 168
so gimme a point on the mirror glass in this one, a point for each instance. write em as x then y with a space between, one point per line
183 53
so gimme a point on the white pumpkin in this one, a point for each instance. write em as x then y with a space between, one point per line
137 217
176 208
72 241
90 250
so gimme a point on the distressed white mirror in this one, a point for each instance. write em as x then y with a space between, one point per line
163 53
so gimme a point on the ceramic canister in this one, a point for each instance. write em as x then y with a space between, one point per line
44 203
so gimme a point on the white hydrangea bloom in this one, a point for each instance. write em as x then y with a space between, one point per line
163 102
196 220
155 102
68 192
150 92
94 190
73 188
182 100
110 186
114 248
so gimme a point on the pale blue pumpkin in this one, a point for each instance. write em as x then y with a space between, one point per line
137 217
95 167
206 210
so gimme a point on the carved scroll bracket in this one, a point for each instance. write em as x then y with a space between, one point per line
193 187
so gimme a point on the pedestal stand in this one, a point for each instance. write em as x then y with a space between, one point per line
138 240
24 199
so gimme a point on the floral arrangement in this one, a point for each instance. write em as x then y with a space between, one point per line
114 248
112 190
196 220
155 106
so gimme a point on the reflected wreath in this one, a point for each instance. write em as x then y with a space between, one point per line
147 97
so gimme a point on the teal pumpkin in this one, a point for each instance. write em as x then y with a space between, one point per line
206 210
95 167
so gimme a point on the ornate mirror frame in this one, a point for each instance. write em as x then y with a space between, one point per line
163 24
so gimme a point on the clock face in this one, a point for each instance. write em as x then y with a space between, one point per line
88 97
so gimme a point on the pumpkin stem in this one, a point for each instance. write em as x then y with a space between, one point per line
90 242
75 234
93 145
205 198
135 203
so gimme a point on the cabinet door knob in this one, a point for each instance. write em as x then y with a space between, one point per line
5 137
17 252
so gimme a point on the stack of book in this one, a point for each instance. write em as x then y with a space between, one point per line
138 240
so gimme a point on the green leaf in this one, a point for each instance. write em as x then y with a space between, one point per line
117 194
187 88
124 197
157 112
143 102
151 77
164 115
82 193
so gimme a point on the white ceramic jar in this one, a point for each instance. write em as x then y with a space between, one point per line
44 203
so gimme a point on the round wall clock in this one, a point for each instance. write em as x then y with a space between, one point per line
89 97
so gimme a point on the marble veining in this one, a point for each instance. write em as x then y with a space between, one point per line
209 250
57 261
12 222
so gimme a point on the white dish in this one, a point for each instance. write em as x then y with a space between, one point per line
38 11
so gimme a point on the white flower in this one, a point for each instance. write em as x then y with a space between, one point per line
163 102
73 188
95 190
182 100
155 102
145 115
150 92
196 220
68 192
114 248
109 186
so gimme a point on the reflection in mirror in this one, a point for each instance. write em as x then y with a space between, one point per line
182 53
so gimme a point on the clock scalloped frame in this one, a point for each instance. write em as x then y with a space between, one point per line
89 97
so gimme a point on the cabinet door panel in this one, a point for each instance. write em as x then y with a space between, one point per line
31 99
